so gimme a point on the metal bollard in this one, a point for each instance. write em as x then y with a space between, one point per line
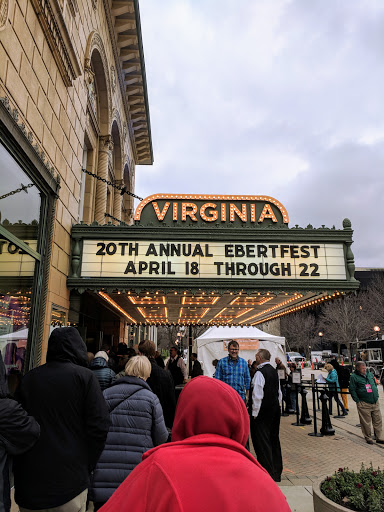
288 402
284 400
314 433
317 397
305 417
326 425
298 422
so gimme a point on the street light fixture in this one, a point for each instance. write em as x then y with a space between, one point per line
320 334
179 342
376 328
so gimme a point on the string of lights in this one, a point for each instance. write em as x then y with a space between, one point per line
122 189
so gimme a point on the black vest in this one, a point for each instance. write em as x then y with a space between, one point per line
176 372
270 401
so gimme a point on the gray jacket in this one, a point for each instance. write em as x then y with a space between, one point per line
137 425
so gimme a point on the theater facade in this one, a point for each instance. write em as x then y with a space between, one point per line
208 260
74 124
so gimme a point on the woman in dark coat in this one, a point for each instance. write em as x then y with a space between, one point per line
137 425
343 375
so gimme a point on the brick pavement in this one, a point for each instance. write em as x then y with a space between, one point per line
307 458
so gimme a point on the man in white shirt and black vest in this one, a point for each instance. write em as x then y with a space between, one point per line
265 420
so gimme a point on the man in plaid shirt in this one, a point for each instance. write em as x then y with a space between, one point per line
233 370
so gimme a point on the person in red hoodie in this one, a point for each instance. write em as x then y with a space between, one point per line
206 453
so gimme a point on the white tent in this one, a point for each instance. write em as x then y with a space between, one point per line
22 334
214 342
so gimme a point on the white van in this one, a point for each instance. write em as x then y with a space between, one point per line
295 357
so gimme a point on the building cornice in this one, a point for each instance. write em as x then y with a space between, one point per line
123 20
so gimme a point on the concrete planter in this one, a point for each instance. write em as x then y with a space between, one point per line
322 504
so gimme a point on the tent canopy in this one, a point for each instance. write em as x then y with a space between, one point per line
22 334
235 333
213 344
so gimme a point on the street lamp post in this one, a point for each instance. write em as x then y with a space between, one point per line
320 334
179 342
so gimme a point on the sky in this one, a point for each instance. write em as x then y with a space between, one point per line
277 97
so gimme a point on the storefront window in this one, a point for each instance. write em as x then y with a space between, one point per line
17 206
58 317
20 204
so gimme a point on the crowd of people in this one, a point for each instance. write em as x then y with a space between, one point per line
105 428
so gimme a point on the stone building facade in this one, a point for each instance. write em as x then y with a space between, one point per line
73 99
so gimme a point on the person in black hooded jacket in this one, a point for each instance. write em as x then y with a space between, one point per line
343 374
65 398
18 433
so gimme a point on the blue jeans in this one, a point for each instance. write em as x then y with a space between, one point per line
333 394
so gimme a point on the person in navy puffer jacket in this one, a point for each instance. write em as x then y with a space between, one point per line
99 366
137 425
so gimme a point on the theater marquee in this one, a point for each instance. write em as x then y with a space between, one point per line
226 244
218 260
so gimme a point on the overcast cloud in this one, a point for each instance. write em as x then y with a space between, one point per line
276 97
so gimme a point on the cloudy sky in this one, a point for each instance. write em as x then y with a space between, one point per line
276 97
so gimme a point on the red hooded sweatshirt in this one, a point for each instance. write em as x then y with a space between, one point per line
206 467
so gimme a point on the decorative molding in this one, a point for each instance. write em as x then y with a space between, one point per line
95 42
4 9
52 22
113 78
106 143
125 35
74 8
29 137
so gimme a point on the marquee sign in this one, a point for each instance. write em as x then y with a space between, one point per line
138 259
14 261
208 210
211 242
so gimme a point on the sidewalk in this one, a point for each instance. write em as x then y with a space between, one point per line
307 458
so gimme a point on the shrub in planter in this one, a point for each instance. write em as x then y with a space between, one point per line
363 491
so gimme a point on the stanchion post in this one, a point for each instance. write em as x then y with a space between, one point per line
326 426
305 417
314 433
317 398
296 379
283 387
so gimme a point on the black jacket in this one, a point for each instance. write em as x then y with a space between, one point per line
102 372
65 398
161 383
343 374
18 433
196 369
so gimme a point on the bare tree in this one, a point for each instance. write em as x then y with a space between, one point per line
300 331
167 335
374 303
347 320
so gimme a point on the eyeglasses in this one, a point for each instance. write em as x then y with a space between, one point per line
233 349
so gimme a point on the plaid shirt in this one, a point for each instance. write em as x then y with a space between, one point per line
235 374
